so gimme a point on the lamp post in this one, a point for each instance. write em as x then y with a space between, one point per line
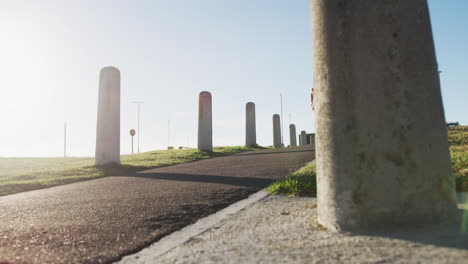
65 140
168 133
139 130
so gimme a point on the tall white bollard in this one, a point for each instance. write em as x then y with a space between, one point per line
303 138
205 122
108 121
382 151
292 135
250 128
276 131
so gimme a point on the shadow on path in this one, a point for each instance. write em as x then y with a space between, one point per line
236 181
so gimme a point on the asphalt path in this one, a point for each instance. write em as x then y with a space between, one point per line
100 221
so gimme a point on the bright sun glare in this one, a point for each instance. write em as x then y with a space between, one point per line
24 52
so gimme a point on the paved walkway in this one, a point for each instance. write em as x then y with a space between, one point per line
282 229
99 221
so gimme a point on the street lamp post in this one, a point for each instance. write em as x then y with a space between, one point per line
138 129
282 131
168 133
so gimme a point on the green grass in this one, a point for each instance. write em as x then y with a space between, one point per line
303 183
458 142
25 174
299 183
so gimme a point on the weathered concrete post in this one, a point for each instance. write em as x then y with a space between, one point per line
205 123
292 135
303 138
382 151
108 121
276 131
250 129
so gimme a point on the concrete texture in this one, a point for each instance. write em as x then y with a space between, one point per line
282 229
303 138
276 131
99 221
108 121
250 127
292 135
382 152
205 122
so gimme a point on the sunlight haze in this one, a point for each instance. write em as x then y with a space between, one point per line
243 51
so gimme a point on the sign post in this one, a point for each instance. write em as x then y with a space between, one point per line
132 133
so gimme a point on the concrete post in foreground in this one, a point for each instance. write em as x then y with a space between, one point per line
303 138
292 135
205 123
382 151
276 131
108 121
300 140
250 130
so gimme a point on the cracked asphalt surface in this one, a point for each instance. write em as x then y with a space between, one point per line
100 221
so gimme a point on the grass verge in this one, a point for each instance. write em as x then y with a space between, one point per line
299 183
26 174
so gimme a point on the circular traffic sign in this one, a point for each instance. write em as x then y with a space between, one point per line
132 132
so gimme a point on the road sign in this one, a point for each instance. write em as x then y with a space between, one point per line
132 133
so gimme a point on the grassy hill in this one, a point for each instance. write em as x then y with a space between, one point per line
25 174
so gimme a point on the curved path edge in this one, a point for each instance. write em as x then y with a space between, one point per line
169 242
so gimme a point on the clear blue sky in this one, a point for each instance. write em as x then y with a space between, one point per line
168 51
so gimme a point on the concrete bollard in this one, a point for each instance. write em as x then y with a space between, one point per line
312 138
108 121
303 138
292 135
250 129
205 122
276 131
382 152
300 140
